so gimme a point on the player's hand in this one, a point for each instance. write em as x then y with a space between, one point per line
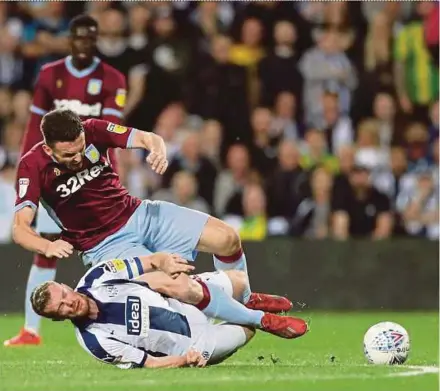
158 162
58 249
173 265
195 359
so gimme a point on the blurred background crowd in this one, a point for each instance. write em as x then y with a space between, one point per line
305 119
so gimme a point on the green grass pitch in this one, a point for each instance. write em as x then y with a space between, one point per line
267 363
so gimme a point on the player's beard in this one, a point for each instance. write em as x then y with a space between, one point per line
83 307
75 167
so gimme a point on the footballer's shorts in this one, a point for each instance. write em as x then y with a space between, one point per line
155 226
45 224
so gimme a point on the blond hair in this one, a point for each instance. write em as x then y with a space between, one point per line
40 297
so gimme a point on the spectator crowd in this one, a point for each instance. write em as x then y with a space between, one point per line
302 118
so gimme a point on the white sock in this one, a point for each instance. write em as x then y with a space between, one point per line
37 276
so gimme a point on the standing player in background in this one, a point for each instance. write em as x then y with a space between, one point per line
84 84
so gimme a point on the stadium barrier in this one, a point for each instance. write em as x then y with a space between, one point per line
388 275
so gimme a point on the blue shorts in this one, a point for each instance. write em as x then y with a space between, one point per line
154 226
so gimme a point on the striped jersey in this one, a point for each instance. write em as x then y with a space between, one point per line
134 321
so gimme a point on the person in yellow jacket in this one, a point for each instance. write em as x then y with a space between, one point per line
254 224
248 53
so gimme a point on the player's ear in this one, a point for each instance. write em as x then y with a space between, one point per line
47 149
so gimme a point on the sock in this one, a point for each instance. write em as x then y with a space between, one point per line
236 261
217 304
42 270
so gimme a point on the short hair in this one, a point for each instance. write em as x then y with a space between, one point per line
40 297
82 21
60 126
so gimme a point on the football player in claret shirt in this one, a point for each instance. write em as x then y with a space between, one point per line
84 84
70 174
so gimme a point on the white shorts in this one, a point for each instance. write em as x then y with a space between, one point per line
45 224
228 338
220 340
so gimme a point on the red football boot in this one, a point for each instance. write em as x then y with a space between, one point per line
24 338
269 303
284 326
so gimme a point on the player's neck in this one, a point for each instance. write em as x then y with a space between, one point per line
80 65
93 309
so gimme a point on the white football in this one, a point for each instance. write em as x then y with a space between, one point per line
386 343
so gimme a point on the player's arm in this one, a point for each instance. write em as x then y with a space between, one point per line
111 135
182 288
108 349
28 195
157 157
190 359
41 104
25 236
135 267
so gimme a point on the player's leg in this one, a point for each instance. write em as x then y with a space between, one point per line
227 340
220 239
184 231
43 269
175 229
126 242
211 294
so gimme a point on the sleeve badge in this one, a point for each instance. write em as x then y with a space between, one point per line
121 96
23 184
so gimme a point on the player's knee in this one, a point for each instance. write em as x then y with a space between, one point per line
249 332
185 289
239 281
230 241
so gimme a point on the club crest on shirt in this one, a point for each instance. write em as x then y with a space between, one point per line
94 86
119 129
59 83
23 184
92 153
57 172
121 95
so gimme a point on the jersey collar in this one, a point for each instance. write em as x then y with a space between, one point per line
84 72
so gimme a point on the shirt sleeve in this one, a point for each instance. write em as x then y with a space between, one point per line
114 101
116 269
108 134
41 103
27 186
110 350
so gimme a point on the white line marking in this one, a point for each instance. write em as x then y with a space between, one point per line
409 371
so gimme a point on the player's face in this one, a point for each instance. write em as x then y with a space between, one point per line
70 153
65 303
83 44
